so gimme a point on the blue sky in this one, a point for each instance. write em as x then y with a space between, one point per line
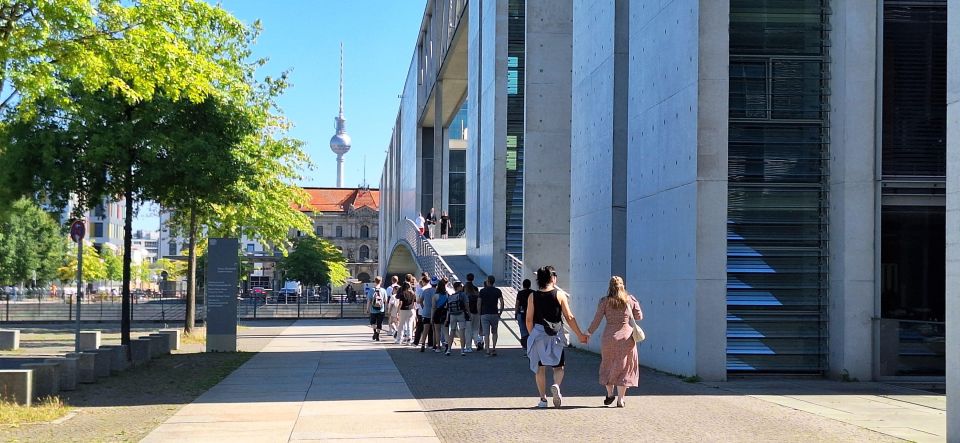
304 36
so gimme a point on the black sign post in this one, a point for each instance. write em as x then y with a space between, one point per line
223 273
78 229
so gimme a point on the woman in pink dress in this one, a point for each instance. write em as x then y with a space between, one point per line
619 365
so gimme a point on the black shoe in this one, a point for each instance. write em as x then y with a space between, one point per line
609 400
422 349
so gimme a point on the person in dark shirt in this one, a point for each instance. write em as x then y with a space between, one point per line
521 312
491 306
472 295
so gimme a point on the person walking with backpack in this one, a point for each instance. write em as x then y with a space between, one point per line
376 306
426 315
619 363
473 296
406 314
521 314
457 318
440 315
546 311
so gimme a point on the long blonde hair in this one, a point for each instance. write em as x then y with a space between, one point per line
617 293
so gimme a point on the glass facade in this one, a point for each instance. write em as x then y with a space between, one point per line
777 255
912 219
426 171
457 197
516 48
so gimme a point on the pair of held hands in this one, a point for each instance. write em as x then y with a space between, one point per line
584 338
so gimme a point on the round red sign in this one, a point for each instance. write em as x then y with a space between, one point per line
78 230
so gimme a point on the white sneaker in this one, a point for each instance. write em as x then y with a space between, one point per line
557 398
468 350
542 404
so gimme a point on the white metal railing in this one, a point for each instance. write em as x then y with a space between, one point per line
514 271
426 255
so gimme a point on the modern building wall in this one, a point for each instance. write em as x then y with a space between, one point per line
409 161
853 188
677 181
546 149
598 152
953 222
486 152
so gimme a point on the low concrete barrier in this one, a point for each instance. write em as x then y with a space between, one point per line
103 359
46 379
140 351
89 340
86 366
9 339
174 336
68 372
163 343
16 385
118 358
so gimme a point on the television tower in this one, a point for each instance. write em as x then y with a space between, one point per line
340 142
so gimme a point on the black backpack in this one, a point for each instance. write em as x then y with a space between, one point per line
455 304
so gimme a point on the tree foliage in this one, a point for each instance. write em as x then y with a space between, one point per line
184 48
30 241
315 261
93 266
113 265
176 269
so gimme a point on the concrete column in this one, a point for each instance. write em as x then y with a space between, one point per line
853 144
953 222
546 151
439 149
599 150
677 181
487 150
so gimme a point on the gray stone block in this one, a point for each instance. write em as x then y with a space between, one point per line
89 340
16 385
46 379
140 351
68 372
163 343
102 361
174 336
118 357
86 366
9 339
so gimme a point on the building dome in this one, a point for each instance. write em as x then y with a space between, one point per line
340 143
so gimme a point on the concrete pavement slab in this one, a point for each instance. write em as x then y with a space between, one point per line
271 397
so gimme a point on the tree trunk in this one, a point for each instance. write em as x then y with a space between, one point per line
127 249
190 316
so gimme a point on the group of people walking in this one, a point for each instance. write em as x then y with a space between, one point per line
426 224
431 313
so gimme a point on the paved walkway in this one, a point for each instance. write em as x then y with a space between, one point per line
317 381
325 380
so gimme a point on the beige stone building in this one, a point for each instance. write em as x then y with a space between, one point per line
349 218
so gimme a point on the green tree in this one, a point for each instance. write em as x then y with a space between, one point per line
132 48
87 132
236 151
93 266
315 261
113 265
32 243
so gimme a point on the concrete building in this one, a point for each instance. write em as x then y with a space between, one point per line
104 222
148 242
769 177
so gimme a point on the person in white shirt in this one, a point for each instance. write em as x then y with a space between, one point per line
420 222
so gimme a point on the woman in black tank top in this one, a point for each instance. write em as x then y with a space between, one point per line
547 311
